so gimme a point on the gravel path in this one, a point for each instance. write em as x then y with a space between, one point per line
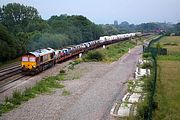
91 98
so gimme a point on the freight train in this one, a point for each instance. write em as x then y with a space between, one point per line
39 60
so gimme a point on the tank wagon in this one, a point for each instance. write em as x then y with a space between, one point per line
39 60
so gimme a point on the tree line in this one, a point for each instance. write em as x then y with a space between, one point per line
22 29
156 27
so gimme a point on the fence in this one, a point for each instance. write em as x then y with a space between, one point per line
154 52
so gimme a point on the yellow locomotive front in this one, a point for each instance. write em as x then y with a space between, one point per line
28 62
37 61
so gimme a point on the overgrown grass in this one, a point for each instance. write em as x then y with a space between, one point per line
172 44
146 55
146 65
110 53
75 62
142 109
167 94
169 57
168 91
148 85
61 75
93 56
44 86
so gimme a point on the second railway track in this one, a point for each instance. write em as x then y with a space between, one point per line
10 83
10 73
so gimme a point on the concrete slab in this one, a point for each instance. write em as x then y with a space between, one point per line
139 73
124 110
134 98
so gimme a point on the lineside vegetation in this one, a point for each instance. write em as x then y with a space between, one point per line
110 53
168 81
47 85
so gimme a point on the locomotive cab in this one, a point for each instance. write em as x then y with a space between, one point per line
28 62
37 61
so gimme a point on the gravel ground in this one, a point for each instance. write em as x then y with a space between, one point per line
91 96
21 84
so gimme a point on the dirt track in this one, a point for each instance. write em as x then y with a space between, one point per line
92 95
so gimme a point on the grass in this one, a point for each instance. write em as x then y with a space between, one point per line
93 56
66 93
75 62
147 65
168 91
115 51
110 53
169 57
44 86
168 81
172 43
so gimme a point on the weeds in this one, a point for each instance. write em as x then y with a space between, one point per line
146 55
169 57
62 71
44 86
72 64
66 93
93 56
142 109
110 54
61 76
147 65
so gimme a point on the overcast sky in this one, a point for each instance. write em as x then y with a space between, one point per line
106 11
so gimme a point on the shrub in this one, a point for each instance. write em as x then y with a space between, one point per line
62 71
146 55
142 110
93 56
146 65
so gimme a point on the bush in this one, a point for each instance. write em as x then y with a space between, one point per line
142 110
146 55
147 65
62 72
93 56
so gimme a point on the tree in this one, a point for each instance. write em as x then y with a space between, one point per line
38 25
24 30
109 30
16 16
177 26
8 46
77 27
1 14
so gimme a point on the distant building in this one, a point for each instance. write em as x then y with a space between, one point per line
125 23
115 22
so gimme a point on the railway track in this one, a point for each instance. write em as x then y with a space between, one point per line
4 68
12 82
10 74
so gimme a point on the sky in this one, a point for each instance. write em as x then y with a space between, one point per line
106 11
